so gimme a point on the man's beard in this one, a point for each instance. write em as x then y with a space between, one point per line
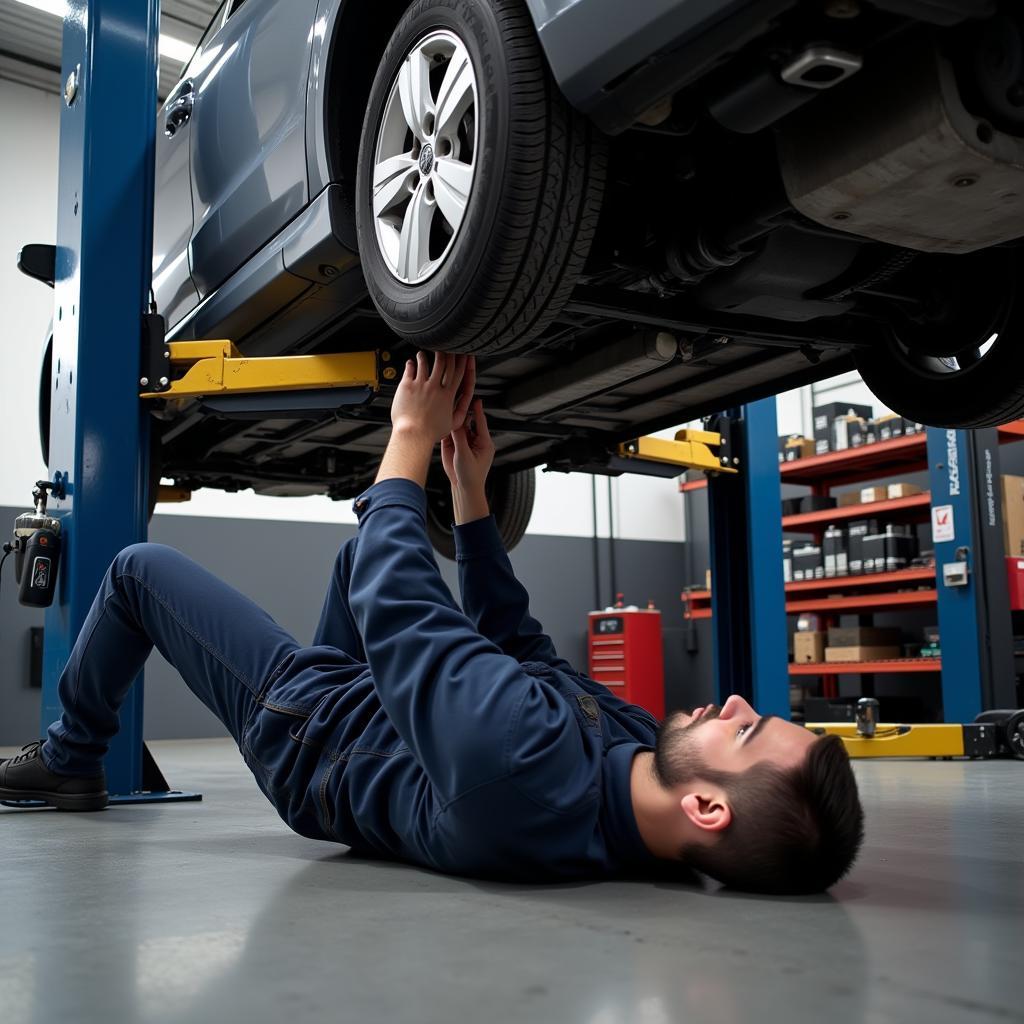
676 759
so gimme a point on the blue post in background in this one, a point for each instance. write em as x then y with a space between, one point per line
99 439
975 631
748 598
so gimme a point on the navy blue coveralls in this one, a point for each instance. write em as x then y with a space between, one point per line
412 730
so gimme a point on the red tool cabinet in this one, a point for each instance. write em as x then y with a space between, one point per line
624 653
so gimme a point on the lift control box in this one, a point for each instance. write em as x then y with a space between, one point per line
624 653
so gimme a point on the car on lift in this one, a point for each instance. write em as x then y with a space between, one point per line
633 214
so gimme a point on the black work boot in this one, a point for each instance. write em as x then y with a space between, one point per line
26 777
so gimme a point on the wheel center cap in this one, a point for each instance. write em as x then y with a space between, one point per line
426 159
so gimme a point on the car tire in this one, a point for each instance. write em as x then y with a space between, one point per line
974 374
538 171
511 497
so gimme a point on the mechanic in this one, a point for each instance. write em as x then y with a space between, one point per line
458 740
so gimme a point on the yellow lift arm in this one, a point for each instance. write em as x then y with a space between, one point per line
215 367
895 740
201 369
691 449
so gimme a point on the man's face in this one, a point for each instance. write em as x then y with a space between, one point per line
736 737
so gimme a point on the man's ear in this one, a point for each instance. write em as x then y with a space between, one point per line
707 810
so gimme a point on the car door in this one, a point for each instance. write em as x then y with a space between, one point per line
175 292
248 134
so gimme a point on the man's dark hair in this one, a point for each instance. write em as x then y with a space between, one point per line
792 831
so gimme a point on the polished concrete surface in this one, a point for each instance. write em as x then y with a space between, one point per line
214 912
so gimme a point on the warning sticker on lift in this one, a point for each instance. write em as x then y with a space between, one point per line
942 524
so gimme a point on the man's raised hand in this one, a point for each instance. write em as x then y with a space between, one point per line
432 402
467 455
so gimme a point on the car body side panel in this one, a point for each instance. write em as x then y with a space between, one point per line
589 43
248 134
175 293
317 162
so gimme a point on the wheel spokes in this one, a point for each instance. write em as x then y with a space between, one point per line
414 92
456 94
453 181
391 178
414 241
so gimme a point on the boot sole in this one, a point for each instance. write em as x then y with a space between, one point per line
62 801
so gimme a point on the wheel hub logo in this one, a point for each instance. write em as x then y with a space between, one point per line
426 159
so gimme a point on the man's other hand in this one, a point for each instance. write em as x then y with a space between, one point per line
431 403
467 455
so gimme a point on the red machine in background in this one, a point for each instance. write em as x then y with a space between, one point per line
624 653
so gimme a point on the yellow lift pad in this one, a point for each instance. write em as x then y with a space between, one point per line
215 367
691 449
893 740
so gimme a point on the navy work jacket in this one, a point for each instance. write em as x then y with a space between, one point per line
464 743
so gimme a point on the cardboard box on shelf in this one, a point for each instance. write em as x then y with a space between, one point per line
1013 514
797 447
848 498
808 647
863 636
870 494
903 490
836 654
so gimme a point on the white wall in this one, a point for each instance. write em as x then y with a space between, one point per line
29 122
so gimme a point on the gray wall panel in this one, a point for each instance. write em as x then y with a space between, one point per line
285 567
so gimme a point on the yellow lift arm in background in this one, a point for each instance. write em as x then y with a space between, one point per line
691 449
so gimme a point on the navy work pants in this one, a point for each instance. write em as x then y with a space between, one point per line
224 646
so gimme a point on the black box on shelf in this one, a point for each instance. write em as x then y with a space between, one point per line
791 506
816 502
856 532
820 709
834 553
825 417
807 563
889 427
890 551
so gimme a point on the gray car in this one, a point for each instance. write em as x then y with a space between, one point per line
633 213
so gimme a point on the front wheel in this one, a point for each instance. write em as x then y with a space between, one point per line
478 186
955 359
510 496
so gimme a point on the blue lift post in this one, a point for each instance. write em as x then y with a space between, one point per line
748 599
975 629
99 432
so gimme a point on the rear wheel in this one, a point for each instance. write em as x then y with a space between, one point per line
478 186
510 496
956 359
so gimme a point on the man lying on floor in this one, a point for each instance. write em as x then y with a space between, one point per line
454 739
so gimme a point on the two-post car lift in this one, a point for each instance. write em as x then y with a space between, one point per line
107 353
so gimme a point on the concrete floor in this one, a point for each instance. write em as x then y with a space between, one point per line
214 912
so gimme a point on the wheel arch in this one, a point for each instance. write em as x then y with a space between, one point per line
345 58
